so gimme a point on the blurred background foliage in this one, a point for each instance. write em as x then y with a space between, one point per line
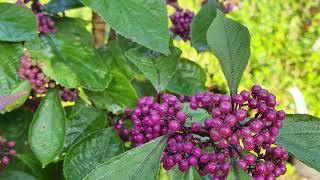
283 45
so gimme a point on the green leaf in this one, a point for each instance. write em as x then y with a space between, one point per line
242 175
114 58
300 135
23 90
139 163
192 174
144 22
74 27
199 115
201 23
17 23
83 120
144 87
16 175
189 79
70 60
56 6
230 43
14 126
158 68
90 152
33 164
117 96
48 129
9 63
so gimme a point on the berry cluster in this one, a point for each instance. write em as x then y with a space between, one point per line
6 150
44 23
181 21
186 150
242 128
249 119
152 120
30 71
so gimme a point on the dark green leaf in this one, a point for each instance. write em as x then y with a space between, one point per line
230 43
158 68
144 22
139 163
17 23
114 58
55 6
144 88
300 135
90 152
198 115
16 175
33 164
74 27
83 120
200 24
189 79
9 63
14 126
48 129
68 58
117 96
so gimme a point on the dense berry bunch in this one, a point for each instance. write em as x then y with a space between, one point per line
242 129
249 119
186 151
181 21
152 120
6 150
44 23
30 71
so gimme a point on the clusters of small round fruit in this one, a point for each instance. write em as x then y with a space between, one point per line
152 119
242 128
245 122
29 70
44 23
181 21
6 150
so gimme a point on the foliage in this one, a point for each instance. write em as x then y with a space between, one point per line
93 139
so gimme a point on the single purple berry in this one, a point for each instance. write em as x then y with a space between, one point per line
174 126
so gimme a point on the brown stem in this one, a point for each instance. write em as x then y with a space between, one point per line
112 35
98 30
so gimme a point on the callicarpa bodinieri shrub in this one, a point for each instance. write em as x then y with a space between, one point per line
115 98
245 122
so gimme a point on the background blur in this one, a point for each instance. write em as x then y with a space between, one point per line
285 45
